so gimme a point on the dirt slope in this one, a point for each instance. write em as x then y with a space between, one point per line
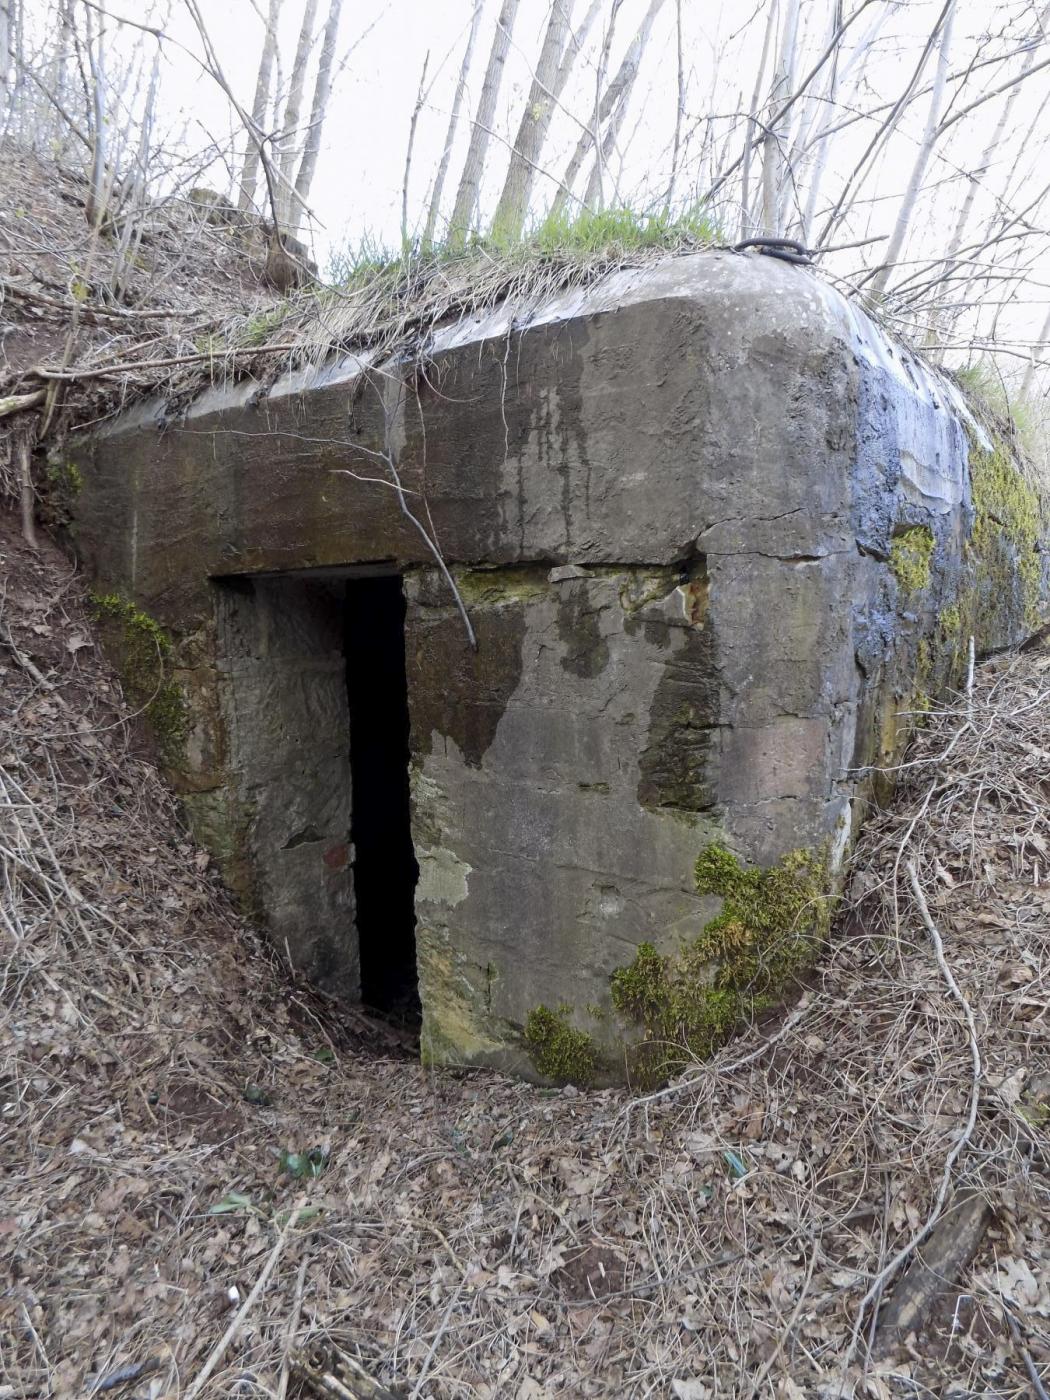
168 1096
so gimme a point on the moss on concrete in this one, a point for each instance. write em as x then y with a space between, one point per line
771 926
1008 525
142 653
950 623
911 556
558 1050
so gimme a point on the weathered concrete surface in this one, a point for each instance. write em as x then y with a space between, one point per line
713 531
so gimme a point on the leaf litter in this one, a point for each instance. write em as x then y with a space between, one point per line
179 1114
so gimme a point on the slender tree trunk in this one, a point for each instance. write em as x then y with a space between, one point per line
95 205
595 198
470 179
749 129
260 106
420 99
532 130
1043 341
318 111
922 160
772 151
679 115
577 39
992 148
453 122
290 137
5 57
620 87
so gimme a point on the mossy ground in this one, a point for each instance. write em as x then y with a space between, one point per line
771 927
142 651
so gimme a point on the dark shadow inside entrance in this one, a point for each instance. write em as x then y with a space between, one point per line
385 869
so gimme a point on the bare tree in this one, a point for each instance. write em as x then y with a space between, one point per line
260 103
509 219
620 91
5 58
95 206
319 108
470 179
614 99
290 134
453 123
922 159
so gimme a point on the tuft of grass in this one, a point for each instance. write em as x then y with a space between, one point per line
983 382
557 236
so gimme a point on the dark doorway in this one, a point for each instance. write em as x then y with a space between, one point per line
385 869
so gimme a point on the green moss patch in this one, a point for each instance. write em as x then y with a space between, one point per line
1007 529
557 1049
142 653
911 555
771 927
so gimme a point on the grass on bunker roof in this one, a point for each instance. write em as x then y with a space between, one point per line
192 308
171 1097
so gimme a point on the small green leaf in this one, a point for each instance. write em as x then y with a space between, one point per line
232 1201
326 1055
305 1213
303 1164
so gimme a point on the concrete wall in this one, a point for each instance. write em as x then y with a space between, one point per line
713 532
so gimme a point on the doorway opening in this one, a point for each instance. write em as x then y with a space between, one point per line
385 868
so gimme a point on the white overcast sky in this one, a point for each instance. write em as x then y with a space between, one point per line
357 190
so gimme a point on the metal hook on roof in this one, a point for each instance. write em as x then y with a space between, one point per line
786 249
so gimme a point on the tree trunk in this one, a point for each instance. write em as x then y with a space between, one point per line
453 122
679 111
991 150
922 160
318 110
746 227
95 203
599 88
260 104
290 139
620 87
532 130
5 57
470 180
780 88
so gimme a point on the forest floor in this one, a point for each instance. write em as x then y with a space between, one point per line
214 1180
182 1122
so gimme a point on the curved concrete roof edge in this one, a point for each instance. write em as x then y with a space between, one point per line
796 300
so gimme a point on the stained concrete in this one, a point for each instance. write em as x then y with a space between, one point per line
669 502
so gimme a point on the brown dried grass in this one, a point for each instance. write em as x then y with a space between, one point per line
469 1236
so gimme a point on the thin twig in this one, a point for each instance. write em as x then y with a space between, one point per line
219 1351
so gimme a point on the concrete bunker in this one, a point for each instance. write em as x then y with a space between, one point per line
717 538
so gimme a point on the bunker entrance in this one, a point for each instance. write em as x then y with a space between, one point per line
385 869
